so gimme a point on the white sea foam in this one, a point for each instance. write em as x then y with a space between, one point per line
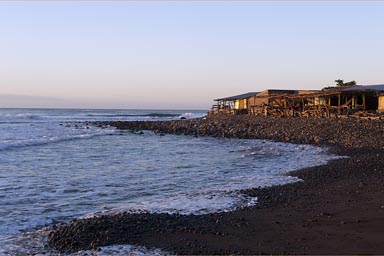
189 115
34 243
187 204
122 250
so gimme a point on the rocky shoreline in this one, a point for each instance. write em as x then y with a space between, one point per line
343 132
338 209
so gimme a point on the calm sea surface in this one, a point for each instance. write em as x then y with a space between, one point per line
54 167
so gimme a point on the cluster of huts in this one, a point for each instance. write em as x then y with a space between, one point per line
355 100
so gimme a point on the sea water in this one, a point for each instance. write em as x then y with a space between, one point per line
55 166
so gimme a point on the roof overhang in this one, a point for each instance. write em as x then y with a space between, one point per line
238 97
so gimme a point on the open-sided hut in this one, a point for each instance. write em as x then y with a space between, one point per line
334 102
238 104
366 97
346 101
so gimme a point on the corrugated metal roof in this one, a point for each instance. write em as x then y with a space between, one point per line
377 87
238 97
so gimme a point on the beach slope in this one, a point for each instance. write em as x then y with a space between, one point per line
338 209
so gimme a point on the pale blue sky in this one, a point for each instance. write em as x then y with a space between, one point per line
183 54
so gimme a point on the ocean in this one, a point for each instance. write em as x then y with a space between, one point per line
55 165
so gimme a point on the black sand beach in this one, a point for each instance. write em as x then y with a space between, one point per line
338 209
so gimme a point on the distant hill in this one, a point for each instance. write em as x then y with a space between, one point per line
26 101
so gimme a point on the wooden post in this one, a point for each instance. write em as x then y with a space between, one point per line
364 102
254 105
338 104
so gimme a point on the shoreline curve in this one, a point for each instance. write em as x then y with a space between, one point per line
338 209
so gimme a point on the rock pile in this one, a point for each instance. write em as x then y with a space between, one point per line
348 133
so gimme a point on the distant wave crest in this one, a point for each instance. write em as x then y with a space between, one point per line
134 115
43 140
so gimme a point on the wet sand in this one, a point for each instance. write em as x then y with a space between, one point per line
337 209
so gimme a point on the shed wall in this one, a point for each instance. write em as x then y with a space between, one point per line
241 104
260 101
251 101
381 104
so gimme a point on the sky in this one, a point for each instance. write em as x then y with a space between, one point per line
181 54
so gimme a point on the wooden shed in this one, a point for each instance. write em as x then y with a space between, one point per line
270 99
238 104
